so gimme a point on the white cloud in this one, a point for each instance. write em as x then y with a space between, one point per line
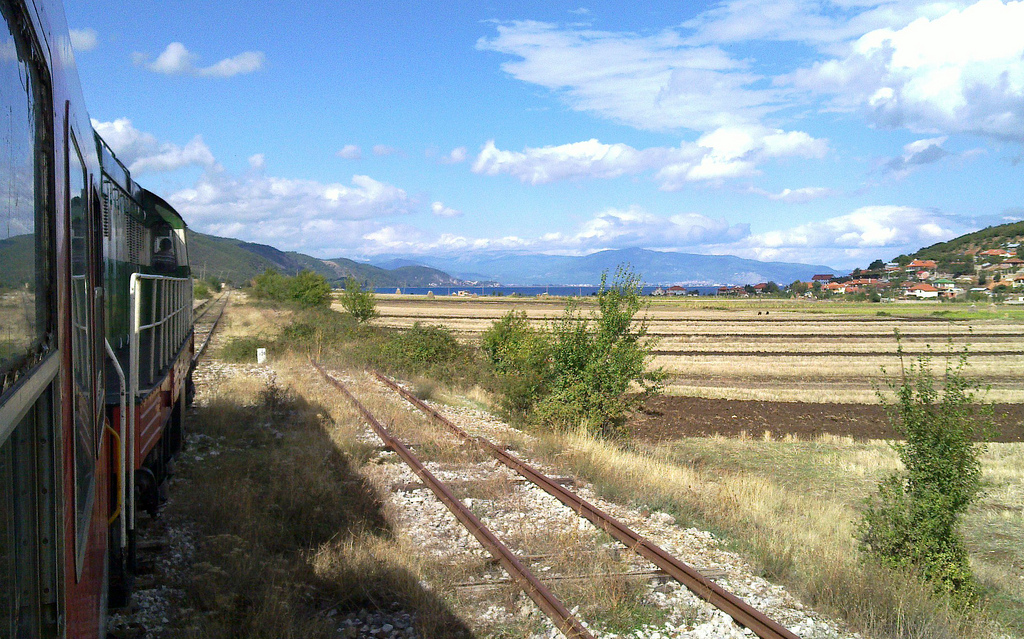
612 228
384 150
616 228
289 214
83 39
652 82
440 210
350 152
540 165
727 152
174 60
869 233
142 152
245 62
962 71
916 154
797 196
457 156
178 60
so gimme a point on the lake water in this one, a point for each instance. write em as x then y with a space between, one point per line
524 291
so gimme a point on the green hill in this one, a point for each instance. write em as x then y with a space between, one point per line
991 237
238 262
17 265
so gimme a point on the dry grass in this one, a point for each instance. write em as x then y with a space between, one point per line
790 507
289 529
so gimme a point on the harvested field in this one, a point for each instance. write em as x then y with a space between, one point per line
776 350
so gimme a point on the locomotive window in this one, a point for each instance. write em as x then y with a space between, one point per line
19 328
81 344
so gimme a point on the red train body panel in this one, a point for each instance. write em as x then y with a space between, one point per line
95 362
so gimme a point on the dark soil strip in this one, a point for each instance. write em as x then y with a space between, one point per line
824 354
666 418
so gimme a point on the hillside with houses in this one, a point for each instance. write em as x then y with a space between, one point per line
979 266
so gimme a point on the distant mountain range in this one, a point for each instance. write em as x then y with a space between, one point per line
238 262
655 267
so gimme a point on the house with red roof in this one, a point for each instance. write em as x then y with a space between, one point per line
923 290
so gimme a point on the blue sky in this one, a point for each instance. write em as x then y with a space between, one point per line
819 132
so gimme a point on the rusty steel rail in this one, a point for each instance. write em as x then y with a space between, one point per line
206 340
741 612
567 624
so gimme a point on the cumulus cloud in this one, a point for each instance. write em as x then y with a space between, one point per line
440 210
727 152
847 240
962 71
289 214
350 152
84 39
141 152
176 59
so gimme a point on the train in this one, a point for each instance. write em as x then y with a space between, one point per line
96 343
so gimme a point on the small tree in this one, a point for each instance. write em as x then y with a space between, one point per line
361 304
913 520
309 289
270 285
596 360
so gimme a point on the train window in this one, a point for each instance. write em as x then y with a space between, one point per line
164 258
19 328
81 343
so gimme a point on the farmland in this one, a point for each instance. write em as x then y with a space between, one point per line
777 350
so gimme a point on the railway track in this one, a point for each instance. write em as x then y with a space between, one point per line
205 322
700 585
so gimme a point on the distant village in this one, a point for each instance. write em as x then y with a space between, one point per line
972 274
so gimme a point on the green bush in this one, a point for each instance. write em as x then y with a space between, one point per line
420 349
200 290
597 360
307 289
913 521
521 359
359 303
583 371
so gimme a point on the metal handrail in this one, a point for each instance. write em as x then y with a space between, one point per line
167 334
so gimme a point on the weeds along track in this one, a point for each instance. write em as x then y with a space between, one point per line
693 580
205 322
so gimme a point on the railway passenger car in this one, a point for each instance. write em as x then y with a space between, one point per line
96 342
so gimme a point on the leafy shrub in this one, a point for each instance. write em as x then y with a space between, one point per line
200 290
310 289
521 359
307 289
359 303
582 372
913 520
270 285
421 348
